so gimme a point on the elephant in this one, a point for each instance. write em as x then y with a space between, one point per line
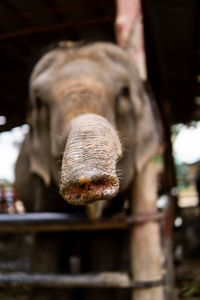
93 124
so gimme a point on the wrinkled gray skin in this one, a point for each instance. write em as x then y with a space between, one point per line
93 126
91 118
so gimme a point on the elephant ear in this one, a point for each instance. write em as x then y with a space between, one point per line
38 118
149 134
139 126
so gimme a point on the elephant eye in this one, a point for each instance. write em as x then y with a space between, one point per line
122 101
124 91
41 103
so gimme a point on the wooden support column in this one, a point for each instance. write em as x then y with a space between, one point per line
145 237
129 32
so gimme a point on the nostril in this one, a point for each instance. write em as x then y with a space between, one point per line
95 187
100 185
87 190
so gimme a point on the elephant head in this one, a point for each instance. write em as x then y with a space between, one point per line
92 121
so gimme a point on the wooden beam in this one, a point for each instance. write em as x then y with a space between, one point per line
30 31
52 10
101 280
91 280
34 222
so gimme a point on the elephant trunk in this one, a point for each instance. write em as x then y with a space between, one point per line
88 170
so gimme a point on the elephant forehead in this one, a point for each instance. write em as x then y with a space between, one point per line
77 87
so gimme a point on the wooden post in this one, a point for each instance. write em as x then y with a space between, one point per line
129 32
145 237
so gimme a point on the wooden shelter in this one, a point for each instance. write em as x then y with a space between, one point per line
171 40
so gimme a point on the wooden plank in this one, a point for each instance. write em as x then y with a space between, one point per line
91 280
99 280
36 30
34 222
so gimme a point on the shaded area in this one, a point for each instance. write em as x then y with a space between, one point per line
171 34
28 29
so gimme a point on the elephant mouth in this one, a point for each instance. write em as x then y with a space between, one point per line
87 191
